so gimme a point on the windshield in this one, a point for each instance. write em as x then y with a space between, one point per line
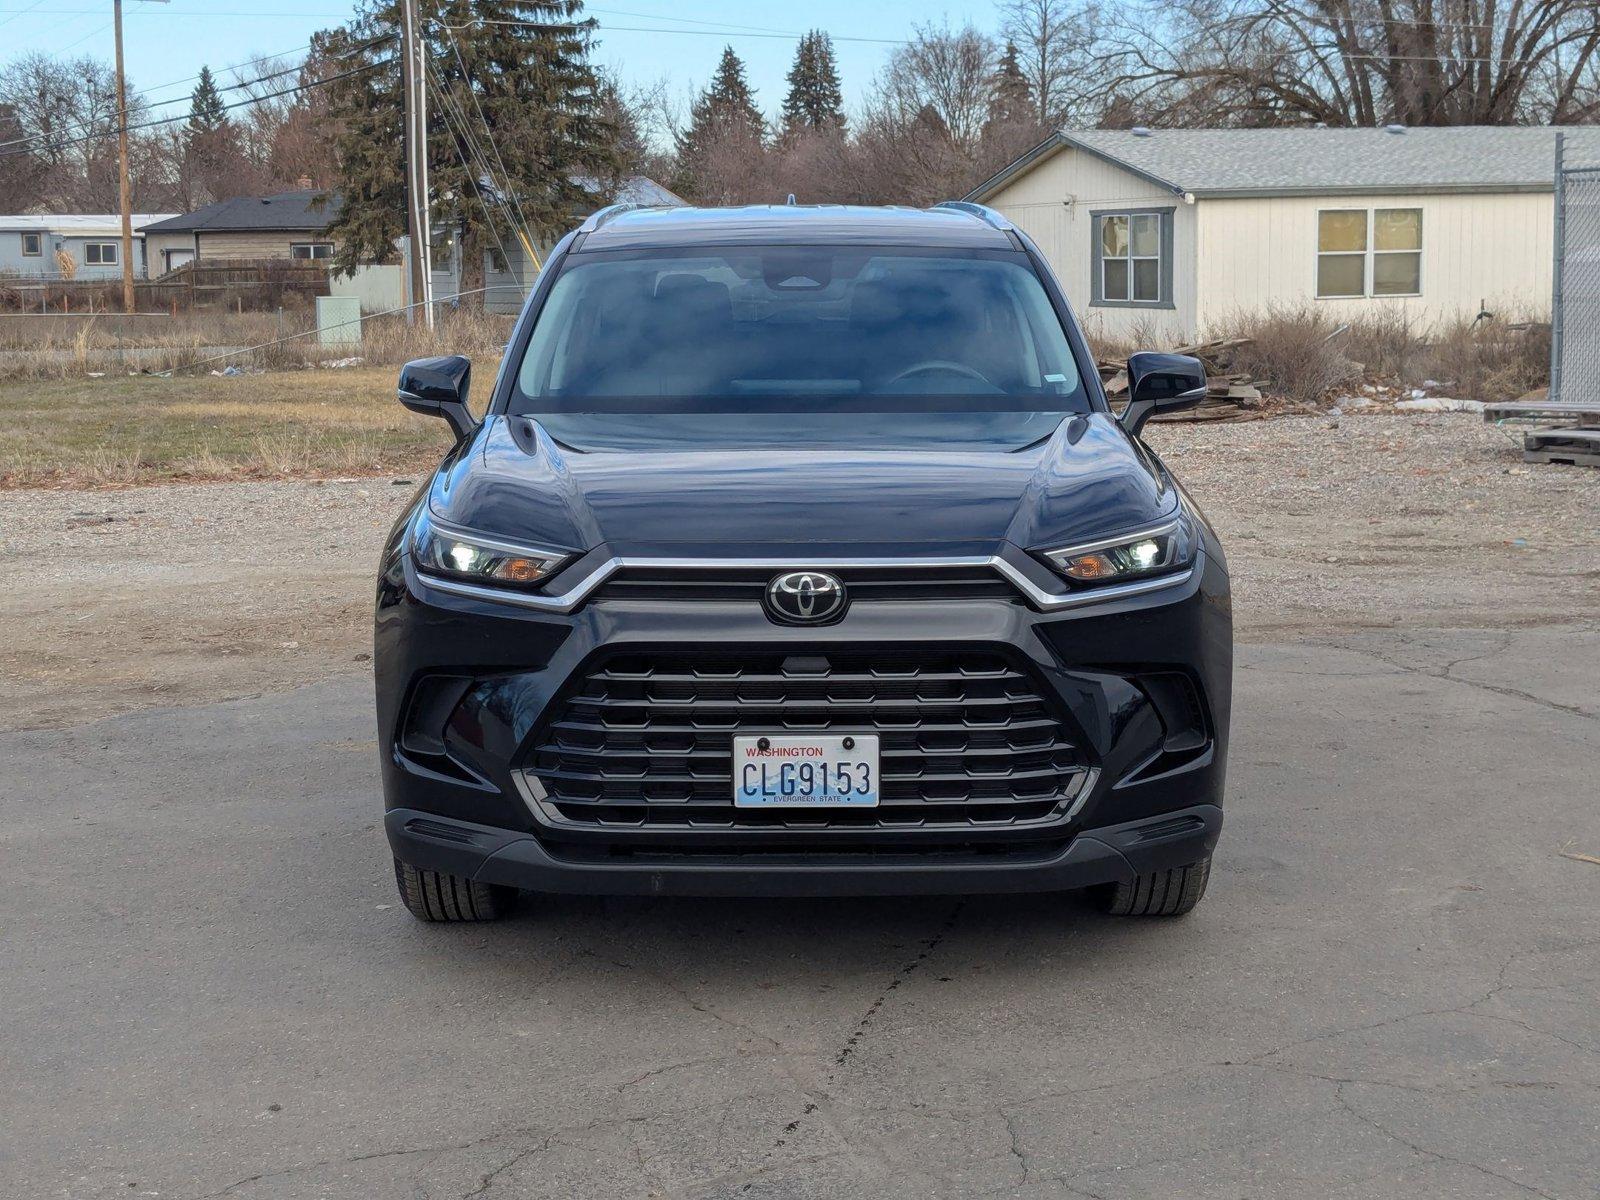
814 342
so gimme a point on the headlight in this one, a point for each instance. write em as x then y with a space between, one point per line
477 559
1158 550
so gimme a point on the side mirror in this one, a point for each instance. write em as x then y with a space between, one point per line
1159 383
437 387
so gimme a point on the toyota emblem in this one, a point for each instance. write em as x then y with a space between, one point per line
805 598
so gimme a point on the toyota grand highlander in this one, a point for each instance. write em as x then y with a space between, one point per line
797 552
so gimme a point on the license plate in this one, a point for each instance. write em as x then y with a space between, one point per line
806 772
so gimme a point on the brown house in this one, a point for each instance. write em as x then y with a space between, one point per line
291 225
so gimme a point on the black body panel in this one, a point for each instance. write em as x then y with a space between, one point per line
1033 737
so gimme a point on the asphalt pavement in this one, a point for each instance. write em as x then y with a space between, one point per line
1392 990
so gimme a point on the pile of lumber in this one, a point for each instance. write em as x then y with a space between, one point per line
1230 394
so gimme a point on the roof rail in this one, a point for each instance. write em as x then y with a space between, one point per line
601 215
983 212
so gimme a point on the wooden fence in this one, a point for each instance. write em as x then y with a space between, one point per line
242 285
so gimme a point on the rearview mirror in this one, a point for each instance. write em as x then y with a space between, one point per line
437 387
1159 383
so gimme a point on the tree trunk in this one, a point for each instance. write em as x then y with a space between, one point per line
471 269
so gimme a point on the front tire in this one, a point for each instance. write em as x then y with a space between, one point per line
435 896
1169 893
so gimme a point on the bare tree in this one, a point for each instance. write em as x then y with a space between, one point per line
919 138
1052 38
646 118
942 77
22 170
1354 62
67 111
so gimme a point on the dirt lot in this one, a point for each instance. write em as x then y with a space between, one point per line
184 594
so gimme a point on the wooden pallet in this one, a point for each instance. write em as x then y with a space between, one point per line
1580 447
1573 412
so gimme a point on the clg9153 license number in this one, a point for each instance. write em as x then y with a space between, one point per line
776 771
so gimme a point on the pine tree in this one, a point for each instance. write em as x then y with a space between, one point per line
814 102
206 114
1012 101
516 130
211 145
724 118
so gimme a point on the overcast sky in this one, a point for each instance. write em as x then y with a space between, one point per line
168 43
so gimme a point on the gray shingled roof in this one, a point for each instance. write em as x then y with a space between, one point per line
1319 161
286 210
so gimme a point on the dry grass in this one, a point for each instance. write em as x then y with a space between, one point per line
1301 354
69 347
127 430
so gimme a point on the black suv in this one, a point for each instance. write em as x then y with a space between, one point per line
798 553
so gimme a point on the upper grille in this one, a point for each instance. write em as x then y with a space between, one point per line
645 740
917 582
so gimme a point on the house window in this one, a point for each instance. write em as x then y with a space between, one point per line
1362 252
1397 252
311 250
1133 259
32 245
100 254
497 260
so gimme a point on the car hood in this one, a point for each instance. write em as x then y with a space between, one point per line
1084 481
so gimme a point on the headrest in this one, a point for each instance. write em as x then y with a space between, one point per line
875 303
695 296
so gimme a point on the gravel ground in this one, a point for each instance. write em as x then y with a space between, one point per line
186 594
1391 520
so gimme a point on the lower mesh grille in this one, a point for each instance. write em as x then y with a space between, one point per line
967 740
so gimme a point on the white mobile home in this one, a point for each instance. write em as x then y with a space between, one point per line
69 246
1175 231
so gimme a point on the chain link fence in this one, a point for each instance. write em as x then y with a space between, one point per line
1575 310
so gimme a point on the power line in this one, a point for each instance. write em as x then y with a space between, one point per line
523 227
18 12
91 34
232 87
471 159
305 87
618 12
181 12
751 33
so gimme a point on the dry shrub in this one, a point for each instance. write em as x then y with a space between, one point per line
1387 343
1499 357
1293 352
1490 360
1115 347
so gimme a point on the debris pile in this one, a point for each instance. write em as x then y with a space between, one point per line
1230 395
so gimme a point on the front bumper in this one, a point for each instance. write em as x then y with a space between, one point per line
1108 854
458 795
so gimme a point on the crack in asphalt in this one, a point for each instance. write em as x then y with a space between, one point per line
351 1159
1444 674
488 1180
1438 1156
1024 1159
928 947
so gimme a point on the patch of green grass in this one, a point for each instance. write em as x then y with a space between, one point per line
146 429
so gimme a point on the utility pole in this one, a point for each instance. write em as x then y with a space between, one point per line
122 168
414 78
123 190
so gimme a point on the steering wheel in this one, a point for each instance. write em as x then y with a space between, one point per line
932 365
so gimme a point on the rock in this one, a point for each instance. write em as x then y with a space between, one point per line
1440 404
